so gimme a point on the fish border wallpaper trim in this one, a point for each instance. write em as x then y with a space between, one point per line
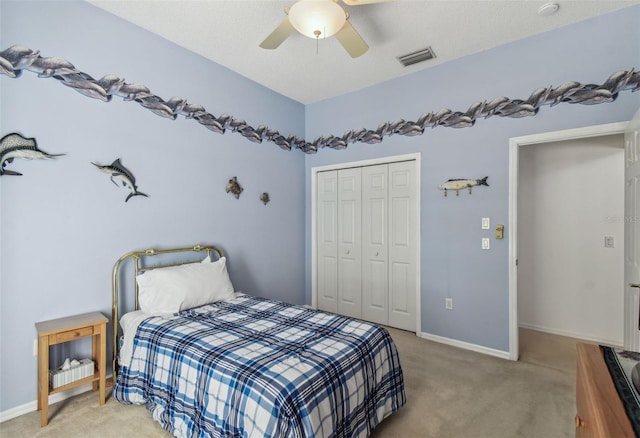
17 58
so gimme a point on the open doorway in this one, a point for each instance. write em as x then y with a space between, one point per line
570 238
566 190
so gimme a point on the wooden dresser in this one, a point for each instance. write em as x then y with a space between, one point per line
600 411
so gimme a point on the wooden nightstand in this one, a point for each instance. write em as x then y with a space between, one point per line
68 329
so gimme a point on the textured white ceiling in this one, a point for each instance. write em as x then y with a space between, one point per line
228 32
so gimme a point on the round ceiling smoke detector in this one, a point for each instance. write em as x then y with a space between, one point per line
548 9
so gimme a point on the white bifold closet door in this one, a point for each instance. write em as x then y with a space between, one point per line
350 242
375 221
375 224
403 236
327 245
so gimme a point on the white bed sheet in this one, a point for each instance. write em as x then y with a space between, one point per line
129 324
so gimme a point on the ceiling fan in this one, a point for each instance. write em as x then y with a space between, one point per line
320 19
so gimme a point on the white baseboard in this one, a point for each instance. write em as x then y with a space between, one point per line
570 334
466 345
33 405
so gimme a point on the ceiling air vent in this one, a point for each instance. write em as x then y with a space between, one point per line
416 57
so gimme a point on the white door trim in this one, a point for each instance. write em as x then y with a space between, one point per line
383 160
631 233
514 144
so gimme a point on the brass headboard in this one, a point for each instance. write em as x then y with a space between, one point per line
140 266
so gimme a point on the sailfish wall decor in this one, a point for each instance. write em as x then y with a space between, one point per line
16 146
17 58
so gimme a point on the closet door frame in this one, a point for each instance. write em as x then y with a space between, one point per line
383 160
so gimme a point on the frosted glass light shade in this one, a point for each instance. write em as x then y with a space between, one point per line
317 18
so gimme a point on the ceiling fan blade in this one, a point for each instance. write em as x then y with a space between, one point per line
351 40
362 2
278 36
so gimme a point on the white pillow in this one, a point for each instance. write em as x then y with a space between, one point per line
170 290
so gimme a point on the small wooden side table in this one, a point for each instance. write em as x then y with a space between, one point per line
68 329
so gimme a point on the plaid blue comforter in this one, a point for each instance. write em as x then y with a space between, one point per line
252 367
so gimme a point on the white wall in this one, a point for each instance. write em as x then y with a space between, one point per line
570 194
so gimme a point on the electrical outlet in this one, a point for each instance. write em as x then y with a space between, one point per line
35 347
448 303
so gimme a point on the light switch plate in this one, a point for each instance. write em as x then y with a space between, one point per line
486 243
486 223
448 303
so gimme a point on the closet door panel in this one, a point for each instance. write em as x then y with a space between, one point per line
375 294
403 226
327 241
400 281
350 242
375 223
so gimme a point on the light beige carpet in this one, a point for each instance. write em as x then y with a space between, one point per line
458 393
450 393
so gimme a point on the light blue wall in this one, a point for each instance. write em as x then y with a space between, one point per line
452 263
63 224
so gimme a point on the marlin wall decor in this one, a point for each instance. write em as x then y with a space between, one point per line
122 175
16 146
17 58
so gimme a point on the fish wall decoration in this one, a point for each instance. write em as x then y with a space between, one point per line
234 187
17 58
121 175
459 184
16 146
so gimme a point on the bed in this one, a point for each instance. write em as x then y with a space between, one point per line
209 361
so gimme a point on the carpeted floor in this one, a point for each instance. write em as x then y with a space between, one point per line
450 393
458 393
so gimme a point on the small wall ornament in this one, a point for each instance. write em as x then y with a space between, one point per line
265 198
16 146
122 175
234 188
459 184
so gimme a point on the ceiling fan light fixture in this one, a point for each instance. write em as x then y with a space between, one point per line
317 18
